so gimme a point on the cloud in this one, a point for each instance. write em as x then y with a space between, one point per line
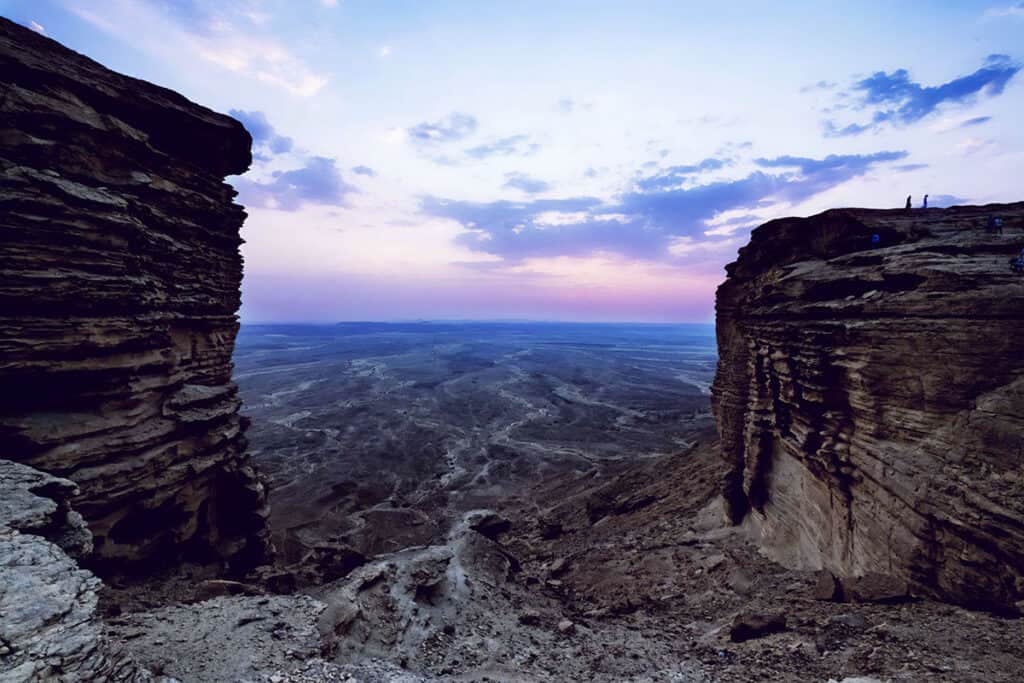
267 63
318 181
453 128
37 27
650 220
677 175
820 85
728 226
972 145
942 201
976 121
525 183
898 100
384 51
848 164
515 145
218 33
1015 11
264 138
567 105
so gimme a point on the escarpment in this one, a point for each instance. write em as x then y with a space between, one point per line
870 397
119 286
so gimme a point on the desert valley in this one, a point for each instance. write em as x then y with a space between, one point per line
823 485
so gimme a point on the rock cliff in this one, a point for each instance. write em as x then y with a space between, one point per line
119 284
870 397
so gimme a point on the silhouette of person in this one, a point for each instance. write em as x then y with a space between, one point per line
908 202
1017 264
924 204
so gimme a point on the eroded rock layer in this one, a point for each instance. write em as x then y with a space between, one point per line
49 627
870 397
119 284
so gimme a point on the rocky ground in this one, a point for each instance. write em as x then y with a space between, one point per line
627 575
49 627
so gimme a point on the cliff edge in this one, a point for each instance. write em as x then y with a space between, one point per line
870 397
119 284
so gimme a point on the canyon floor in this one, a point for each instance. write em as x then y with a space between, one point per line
378 435
515 502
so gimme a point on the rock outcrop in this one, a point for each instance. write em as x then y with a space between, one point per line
870 397
119 286
49 628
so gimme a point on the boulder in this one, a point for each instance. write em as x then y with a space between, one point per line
529 617
750 625
827 587
875 587
489 524
559 566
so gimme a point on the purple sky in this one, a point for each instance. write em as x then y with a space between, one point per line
575 160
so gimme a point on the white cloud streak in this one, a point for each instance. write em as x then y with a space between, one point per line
219 41
1013 11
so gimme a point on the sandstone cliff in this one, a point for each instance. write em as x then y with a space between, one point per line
119 284
870 397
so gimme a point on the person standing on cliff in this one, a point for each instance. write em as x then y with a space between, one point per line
908 202
924 204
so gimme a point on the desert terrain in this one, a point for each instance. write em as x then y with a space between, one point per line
377 434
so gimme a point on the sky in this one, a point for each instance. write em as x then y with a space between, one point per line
563 160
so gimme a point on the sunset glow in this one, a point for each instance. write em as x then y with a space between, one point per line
580 161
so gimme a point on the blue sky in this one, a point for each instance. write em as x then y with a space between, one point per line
563 160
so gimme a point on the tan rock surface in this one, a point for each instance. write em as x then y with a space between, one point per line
870 397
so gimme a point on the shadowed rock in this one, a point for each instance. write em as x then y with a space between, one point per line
118 292
747 626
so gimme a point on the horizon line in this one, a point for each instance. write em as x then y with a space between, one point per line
506 321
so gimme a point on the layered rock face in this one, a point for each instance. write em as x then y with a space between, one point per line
870 397
119 284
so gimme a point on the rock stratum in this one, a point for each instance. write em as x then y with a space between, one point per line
119 286
870 398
